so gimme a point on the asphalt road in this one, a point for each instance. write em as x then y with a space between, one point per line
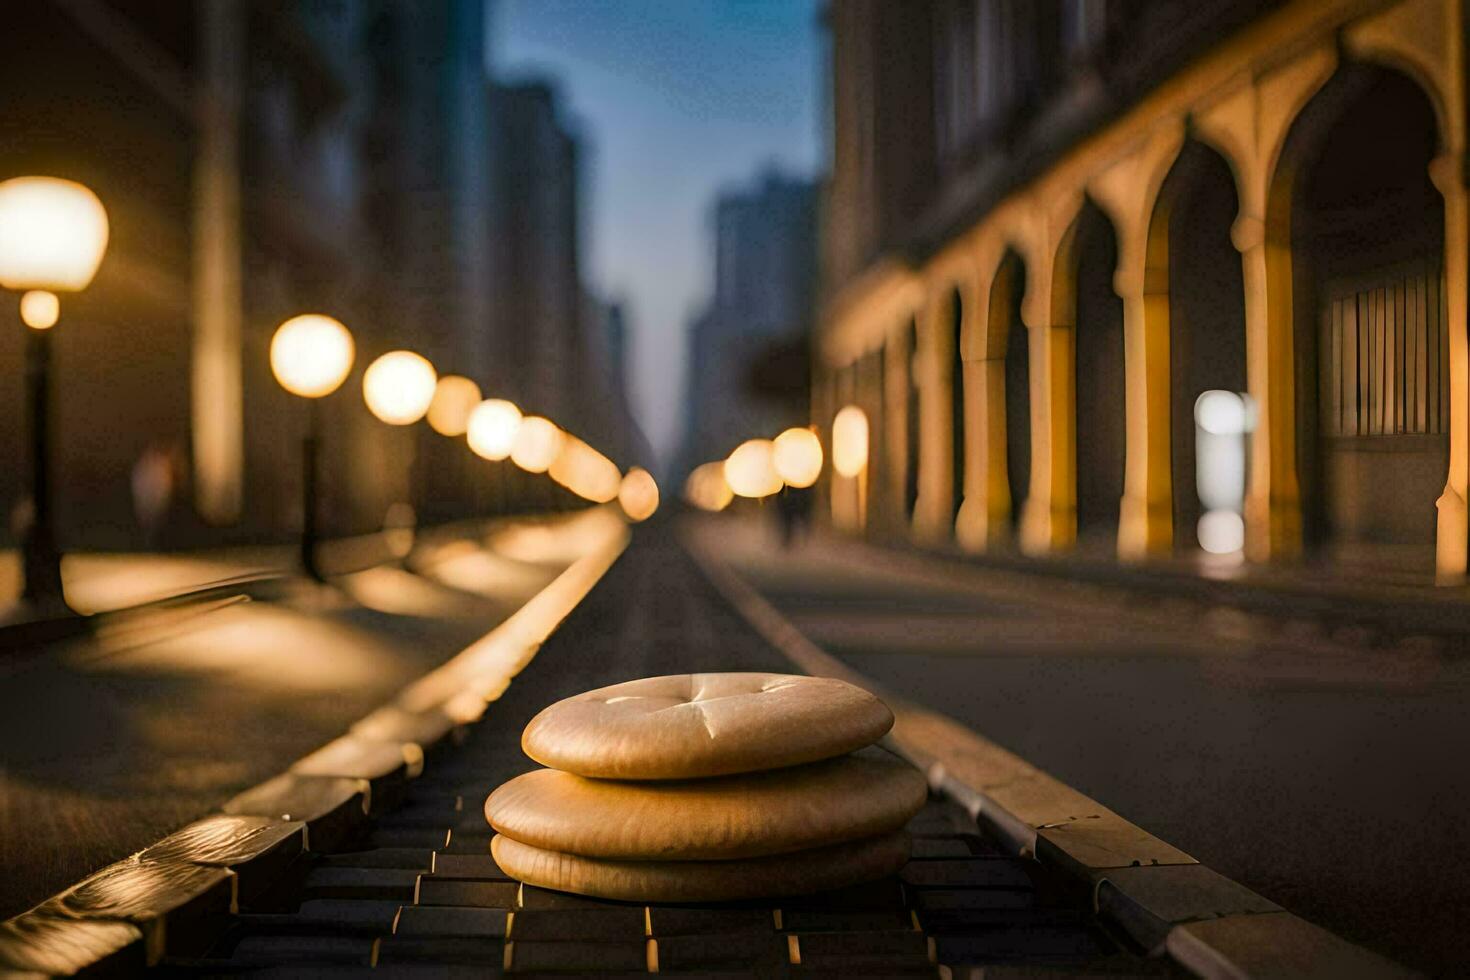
109 743
1325 775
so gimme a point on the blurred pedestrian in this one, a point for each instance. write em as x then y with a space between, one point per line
153 490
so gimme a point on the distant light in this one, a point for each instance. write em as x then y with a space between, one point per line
53 234
398 528
537 442
491 430
751 469
311 355
638 495
399 386
455 397
39 309
798 457
850 441
585 471
1221 532
706 487
1221 412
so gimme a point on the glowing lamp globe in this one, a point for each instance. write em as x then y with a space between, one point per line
751 469
638 494
538 441
585 471
850 441
399 386
706 487
39 309
52 234
798 457
491 429
311 355
455 397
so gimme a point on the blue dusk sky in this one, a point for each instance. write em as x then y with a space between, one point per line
675 100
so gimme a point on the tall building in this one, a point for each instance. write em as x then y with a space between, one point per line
765 263
259 160
1153 279
535 161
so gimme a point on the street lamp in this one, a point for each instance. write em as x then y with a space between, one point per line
797 454
537 443
399 386
850 441
492 427
750 470
585 471
455 397
53 234
310 357
638 495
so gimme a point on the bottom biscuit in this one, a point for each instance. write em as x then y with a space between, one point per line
795 873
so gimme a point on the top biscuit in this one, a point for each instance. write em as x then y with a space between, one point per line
687 726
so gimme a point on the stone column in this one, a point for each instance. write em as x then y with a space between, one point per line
931 512
1128 191
1452 529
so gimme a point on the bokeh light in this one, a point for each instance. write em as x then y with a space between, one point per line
491 430
798 457
311 355
706 488
751 469
638 494
850 441
1221 532
585 471
537 443
40 309
1221 413
455 397
399 386
53 234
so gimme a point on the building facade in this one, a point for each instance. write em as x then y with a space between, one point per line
765 263
1053 228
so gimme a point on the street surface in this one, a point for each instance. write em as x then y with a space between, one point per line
418 889
115 740
1326 775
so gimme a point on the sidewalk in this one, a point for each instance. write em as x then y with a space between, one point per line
116 738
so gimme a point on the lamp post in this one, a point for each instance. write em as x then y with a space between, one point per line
53 234
310 357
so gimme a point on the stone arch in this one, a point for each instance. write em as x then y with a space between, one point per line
943 329
986 518
908 372
1426 40
1128 189
1356 229
1084 297
1193 263
1009 346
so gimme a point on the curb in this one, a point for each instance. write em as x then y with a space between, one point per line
1163 900
174 898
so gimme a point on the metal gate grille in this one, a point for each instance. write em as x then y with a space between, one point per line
1385 366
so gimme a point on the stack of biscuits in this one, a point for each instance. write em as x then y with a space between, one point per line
707 787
